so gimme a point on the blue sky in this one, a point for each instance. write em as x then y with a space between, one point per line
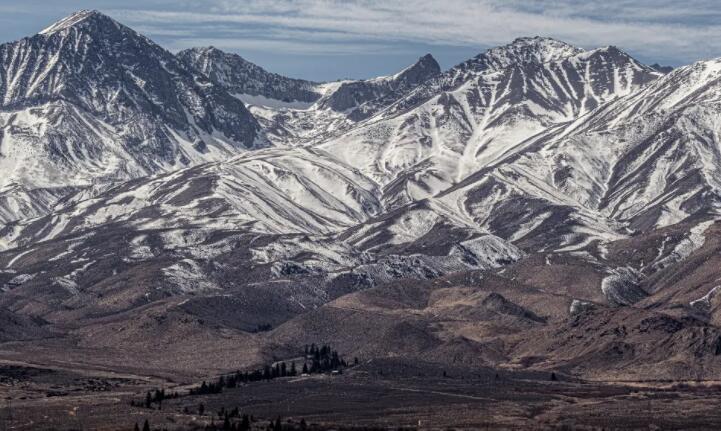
331 39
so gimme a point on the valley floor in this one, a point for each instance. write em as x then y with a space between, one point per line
386 394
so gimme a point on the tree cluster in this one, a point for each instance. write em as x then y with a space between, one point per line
322 359
154 398
269 372
318 360
232 421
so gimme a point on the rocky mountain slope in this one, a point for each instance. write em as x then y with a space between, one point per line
247 80
494 213
297 112
471 116
89 100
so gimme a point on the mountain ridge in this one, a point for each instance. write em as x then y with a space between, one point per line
534 189
66 122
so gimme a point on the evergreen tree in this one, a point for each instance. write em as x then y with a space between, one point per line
303 425
148 400
267 373
278 426
136 428
201 409
305 368
146 426
245 423
293 371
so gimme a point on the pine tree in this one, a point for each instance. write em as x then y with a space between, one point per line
136 428
201 409
245 423
278 426
305 368
303 425
146 426
293 371
148 400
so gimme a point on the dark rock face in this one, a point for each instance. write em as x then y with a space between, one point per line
662 69
426 67
89 100
93 65
365 97
240 76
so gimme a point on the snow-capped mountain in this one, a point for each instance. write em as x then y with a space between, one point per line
247 80
298 112
89 100
638 163
473 115
582 178
363 98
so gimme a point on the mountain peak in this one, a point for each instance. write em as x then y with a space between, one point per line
538 48
210 49
424 68
523 50
428 61
217 53
74 20
427 57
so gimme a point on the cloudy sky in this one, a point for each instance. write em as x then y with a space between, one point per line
330 39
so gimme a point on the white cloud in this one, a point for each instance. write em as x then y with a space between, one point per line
662 29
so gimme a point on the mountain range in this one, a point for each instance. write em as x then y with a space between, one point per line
515 210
